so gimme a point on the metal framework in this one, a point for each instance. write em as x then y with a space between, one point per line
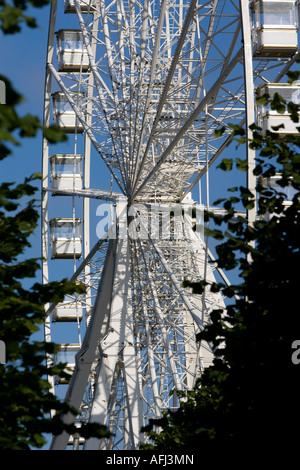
140 87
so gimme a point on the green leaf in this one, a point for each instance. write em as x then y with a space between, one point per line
219 201
217 234
278 104
29 125
293 110
263 100
238 130
277 128
10 18
216 287
296 158
30 21
241 165
219 132
293 76
254 127
54 134
226 164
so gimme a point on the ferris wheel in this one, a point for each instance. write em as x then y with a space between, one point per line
140 88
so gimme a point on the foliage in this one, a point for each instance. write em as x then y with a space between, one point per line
250 395
25 396
12 14
13 126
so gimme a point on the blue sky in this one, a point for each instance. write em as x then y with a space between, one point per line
22 61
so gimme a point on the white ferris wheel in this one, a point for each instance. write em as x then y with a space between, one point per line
140 87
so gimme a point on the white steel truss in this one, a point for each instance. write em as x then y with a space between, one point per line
147 85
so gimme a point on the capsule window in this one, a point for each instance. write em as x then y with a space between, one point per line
61 103
70 40
289 191
276 13
275 32
66 229
71 53
63 113
65 238
70 310
66 171
67 168
270 119
67 355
